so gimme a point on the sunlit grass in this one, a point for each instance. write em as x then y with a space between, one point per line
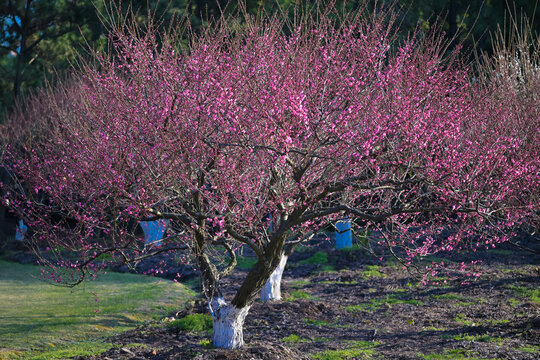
454 354
478 338
532 294
298 294
294 339
193 323
37 316
298 283
316 322
372 271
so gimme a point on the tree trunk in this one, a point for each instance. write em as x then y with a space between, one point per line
228 321
272 289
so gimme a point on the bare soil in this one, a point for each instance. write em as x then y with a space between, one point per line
372 310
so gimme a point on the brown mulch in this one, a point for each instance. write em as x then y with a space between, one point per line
493 316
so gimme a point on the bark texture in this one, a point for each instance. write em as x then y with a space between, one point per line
272 289
228 323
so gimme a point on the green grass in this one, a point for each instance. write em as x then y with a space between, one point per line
298 283
193 323
80 348
530 349
205 343
532 294
298 294
303 248
478 338
372 271
465 303
433 328
450 296
328 282
375 304
316 322
316 259
294 339
245 263
327 268
37 317
353 350
454 354
137 346
321 259
463 320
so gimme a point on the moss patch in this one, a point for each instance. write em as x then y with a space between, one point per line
193 323
372 271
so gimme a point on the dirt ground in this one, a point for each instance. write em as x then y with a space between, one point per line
365 309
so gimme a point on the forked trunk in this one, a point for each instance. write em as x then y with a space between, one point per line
272 289
228 321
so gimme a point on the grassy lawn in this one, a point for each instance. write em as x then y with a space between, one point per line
39 320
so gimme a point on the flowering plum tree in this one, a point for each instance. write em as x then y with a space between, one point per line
310 125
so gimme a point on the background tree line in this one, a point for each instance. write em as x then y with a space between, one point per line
41 38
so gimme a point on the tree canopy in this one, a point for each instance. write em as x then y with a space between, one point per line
40 38
335 116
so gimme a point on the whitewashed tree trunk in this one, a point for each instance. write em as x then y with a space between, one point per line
228 321
272 289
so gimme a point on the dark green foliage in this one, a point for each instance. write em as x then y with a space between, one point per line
316 259
38 38
245 263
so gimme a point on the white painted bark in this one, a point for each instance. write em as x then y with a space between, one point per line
272 289
228 321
